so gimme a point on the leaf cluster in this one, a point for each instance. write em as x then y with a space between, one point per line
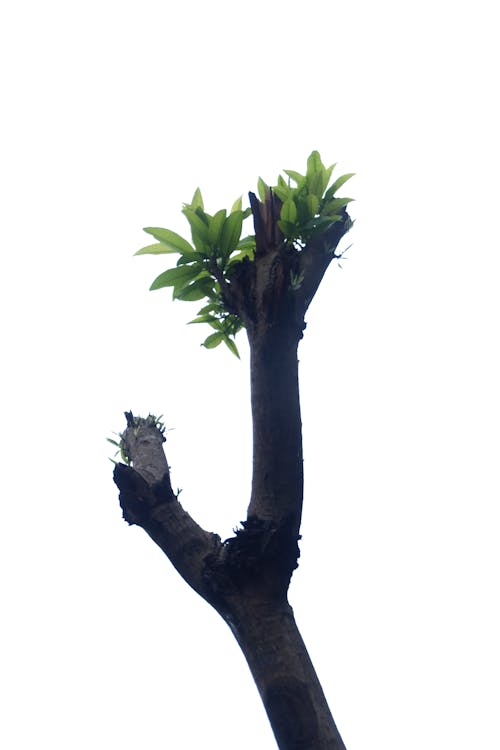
310 206
205 264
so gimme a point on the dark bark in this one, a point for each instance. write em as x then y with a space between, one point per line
285 677
246 578
277 480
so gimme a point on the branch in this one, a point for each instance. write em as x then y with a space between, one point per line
317 256
147 500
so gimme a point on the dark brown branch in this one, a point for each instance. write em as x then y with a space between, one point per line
277 323
277 480
317 256
147 499
268 235
273 311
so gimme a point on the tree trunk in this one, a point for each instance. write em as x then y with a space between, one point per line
285 677
261 618
277 479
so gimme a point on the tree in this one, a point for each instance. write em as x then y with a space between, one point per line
263 283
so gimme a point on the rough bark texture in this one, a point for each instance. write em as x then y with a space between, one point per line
246 578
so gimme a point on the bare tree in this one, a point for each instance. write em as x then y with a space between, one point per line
263 283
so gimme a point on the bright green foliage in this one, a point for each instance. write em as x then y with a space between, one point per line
206 263
310 206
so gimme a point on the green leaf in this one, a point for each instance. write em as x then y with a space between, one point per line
314 164
247 253
205 319
199 229
200 288
303 213
337 184
231 325
215 228
282 183
334 206
231 233
312 203
113 442
262 189
206 218
197 201
231 346
296 176
321 223
326 176
157 249
190 293
283 193
211 307
316 175
185 259
288 229
213 340
171 239
181 275
289 211
315 184
246 243
237 205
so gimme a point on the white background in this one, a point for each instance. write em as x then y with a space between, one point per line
113 113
